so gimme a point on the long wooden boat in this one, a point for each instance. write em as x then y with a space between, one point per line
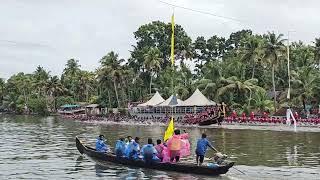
213 120
179 167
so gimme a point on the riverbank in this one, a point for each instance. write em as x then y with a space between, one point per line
124 120
224 125
29 114
267 127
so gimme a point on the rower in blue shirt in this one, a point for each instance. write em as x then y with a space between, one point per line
201 149
100 144
149 152
133 149
120 147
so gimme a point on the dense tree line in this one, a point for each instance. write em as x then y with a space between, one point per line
246 71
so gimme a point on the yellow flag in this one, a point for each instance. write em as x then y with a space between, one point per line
170 130
172 40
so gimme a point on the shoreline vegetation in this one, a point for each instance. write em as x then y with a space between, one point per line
272 126
246 71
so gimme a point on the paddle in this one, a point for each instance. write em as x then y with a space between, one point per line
238 170
232 166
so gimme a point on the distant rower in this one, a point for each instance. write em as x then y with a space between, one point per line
100 144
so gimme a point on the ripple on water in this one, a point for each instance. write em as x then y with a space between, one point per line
44 148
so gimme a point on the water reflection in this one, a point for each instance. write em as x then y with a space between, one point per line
78 163
35 147
99 170
105 170
292 155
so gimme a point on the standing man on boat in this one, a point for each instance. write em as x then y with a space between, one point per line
178 146
202 145
100 144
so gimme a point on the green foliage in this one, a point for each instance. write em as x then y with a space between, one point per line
152 63
2 86
261 102
158 35
244 70
38 106
62 100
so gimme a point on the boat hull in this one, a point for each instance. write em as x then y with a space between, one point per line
211 121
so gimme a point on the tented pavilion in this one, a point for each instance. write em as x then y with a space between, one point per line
156 99
147 106
197 102
169 105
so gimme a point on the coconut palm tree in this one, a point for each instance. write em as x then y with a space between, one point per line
261 102
152 63
212 70
240 87
110 66
39 80
207 86
70 76
54 88
305 83
251 52
317 51
273 48
86 84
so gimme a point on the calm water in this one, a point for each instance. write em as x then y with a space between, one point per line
44 148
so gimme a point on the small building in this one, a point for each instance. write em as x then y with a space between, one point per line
94 110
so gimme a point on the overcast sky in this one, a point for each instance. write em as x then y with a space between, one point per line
49 32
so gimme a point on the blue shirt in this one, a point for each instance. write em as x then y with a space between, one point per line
120 147
202 145
148 150
101 146
132 150
149 153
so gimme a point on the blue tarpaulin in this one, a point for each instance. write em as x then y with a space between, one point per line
70 106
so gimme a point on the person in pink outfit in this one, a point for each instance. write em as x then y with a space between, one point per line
234 115
160 150
244 117
252 116
178 146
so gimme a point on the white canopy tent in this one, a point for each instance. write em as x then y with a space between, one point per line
171 101
156 99
158 106
198 99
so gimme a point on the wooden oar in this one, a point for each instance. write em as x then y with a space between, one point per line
238 170
232 166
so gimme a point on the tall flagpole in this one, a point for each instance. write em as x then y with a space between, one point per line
172 49
172 56
288 56
170 129
289 111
